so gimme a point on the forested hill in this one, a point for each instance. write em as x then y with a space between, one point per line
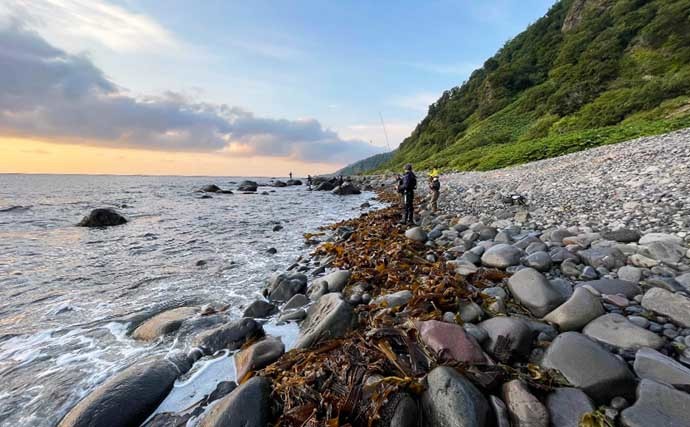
590 72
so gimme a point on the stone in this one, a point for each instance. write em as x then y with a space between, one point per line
282 287
258 356
515 331
642 261
623 235
534 291
589 273
674 306
249 405
260 310
610 258
652 365
400 410
630 274
336 280
500 412
476 332
396 299
230 336
684 280
292 316
525 410
163 323
495 292
613 287
248 186
297 301
587 365
657 405
582 240
664 251
102 217
126 399
536 247
570 269
581 308
567 405
451 400
557 236
540 261
346 189
470 312
559 254
417 234
330 317
501 255
617 331
660 237
212 188
639 321
449 341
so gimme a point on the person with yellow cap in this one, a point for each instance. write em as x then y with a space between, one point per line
435 188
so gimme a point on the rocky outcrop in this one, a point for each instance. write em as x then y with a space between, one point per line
247 186
104 217
247 406
282 287
258 356
231 336
163 323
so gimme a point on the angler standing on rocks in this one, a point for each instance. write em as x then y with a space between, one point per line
409 184
435 187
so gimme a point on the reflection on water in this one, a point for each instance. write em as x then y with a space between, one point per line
66 292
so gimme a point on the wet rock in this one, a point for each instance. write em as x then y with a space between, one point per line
168 419
652 365
508 337
297 301
247 406
336 280
127 398
317 290
212 188
282 287
292 316
258 356
346 189
581 308
231 336
540 261
260 310
623 235
416 234
163 323
330 317
451 400
617 331
277 227
534 291
104 217
525 410
248 186
587 365
657 405
567 405
612 287
666 303
450 341
395 299
501 255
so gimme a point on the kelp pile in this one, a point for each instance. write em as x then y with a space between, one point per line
354 381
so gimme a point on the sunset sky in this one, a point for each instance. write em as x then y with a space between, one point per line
230 87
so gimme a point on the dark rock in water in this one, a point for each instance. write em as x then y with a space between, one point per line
368 205
248 186
205 196
19 209
196 325
163 323
104 217
213 188
292 316
126 399
657 405
225 192
336 280
567 405
222 389
272 251
451 400
260 310
247 406
298 301
623 235
284 286
294 182
258 356
346 189
231 336
325 186
329 318
279 183
277 227
587 365
201 263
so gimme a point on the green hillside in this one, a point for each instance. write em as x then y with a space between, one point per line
590 72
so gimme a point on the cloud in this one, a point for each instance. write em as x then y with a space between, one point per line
47 92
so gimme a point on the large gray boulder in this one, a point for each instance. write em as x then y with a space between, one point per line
282 287
247 406
652 365
163 323
567 405
608 257
617 331
258 356
260 310
587 365
581 308
534 291
230 336
346 189
525 410
126 399
540 261
666 303
417 234
249 186
330 317
515 331
660 237
501 255
102 217
623 235
613 287
664 251
451 400
657 405
336 280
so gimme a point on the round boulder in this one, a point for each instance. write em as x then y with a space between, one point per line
102 217
501 256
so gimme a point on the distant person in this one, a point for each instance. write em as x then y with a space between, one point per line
340 181
435 187
409 184
399 189
309 181
291 175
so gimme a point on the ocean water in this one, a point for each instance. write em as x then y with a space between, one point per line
67 293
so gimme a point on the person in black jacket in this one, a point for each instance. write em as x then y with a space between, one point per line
409 184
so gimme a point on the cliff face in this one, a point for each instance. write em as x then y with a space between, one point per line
589 72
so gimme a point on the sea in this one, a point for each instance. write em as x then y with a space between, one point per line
68 293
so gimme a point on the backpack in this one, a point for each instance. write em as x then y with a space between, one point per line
436 185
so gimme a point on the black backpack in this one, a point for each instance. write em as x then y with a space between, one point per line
436 184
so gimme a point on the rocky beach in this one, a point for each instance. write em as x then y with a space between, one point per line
556 293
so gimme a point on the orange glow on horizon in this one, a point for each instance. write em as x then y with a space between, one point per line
21 155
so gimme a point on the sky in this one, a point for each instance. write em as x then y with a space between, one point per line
218 87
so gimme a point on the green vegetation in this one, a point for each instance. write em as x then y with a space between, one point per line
367 164
590 72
